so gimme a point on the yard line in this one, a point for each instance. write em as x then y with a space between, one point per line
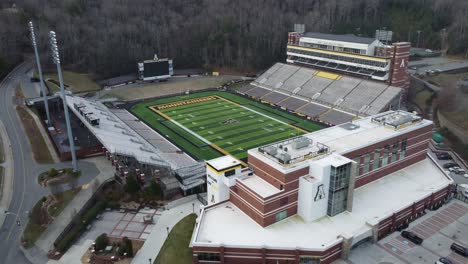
190 131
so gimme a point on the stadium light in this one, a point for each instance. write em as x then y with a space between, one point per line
39 72
56 59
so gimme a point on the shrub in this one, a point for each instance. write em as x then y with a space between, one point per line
53 173
102 241
132 185
126 247
69 238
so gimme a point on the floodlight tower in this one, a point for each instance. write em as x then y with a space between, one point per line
56 58
39 71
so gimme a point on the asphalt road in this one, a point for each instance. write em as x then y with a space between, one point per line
25 190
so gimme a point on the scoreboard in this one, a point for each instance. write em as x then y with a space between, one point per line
155 69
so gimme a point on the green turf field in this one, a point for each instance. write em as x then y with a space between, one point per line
209 124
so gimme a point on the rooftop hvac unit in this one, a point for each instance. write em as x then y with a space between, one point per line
271 151
284 158
301 142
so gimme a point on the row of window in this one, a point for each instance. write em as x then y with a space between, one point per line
381 159
208 256
338 191
340 58
333 48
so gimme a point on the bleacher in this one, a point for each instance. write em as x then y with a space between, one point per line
335 117
327 97
363 95
338 89
292 103
312 110
274 97
257 92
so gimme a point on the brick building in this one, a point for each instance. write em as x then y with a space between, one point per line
312 198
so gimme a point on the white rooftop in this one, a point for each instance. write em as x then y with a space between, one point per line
115 135
228 225
346 137
259 185
223 162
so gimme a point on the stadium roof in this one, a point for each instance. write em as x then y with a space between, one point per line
372 203
336 37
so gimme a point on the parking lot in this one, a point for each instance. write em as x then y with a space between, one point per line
439 229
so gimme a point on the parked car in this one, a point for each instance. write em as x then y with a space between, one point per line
460 171
465 175
449 165
444 261
412 237
34 79
444 157
457 248
453 169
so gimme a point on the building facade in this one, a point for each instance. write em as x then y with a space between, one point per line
364 57
309 199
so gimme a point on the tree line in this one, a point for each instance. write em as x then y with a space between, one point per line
108 37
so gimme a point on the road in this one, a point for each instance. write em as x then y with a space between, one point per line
25 190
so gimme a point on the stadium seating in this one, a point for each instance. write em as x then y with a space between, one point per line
363 94
274 97
292 103
381 102
312 110
298 79
335 117
338 89
257 92
313 86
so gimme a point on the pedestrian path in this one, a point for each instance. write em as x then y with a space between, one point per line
47 239
158 235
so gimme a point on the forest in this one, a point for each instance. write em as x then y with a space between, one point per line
107 37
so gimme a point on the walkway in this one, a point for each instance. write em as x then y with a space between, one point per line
158 235
47 239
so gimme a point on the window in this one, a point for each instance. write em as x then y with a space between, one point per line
394 152
404 142
377 157
230 173
366 163
281 215
208 256
385 155
309 260
338 192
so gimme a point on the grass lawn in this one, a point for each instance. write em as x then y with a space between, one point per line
63 199
176 247
78 82
33 231
38 145
422 97
220 120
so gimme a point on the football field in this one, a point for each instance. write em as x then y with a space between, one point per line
216 125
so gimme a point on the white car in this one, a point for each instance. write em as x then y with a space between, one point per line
465 175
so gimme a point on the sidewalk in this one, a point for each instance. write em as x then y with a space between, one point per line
47 239
158 235
7 184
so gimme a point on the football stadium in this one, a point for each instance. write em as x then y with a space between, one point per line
212 124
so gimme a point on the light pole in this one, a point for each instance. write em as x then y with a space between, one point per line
56 58
417 43
39 71
193 207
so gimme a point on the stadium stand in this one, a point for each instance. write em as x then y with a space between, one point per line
312 110
244 89
380 103
257 92
324 96
314 86
274 97
292 103
363 95
334 117
338 89
298 79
